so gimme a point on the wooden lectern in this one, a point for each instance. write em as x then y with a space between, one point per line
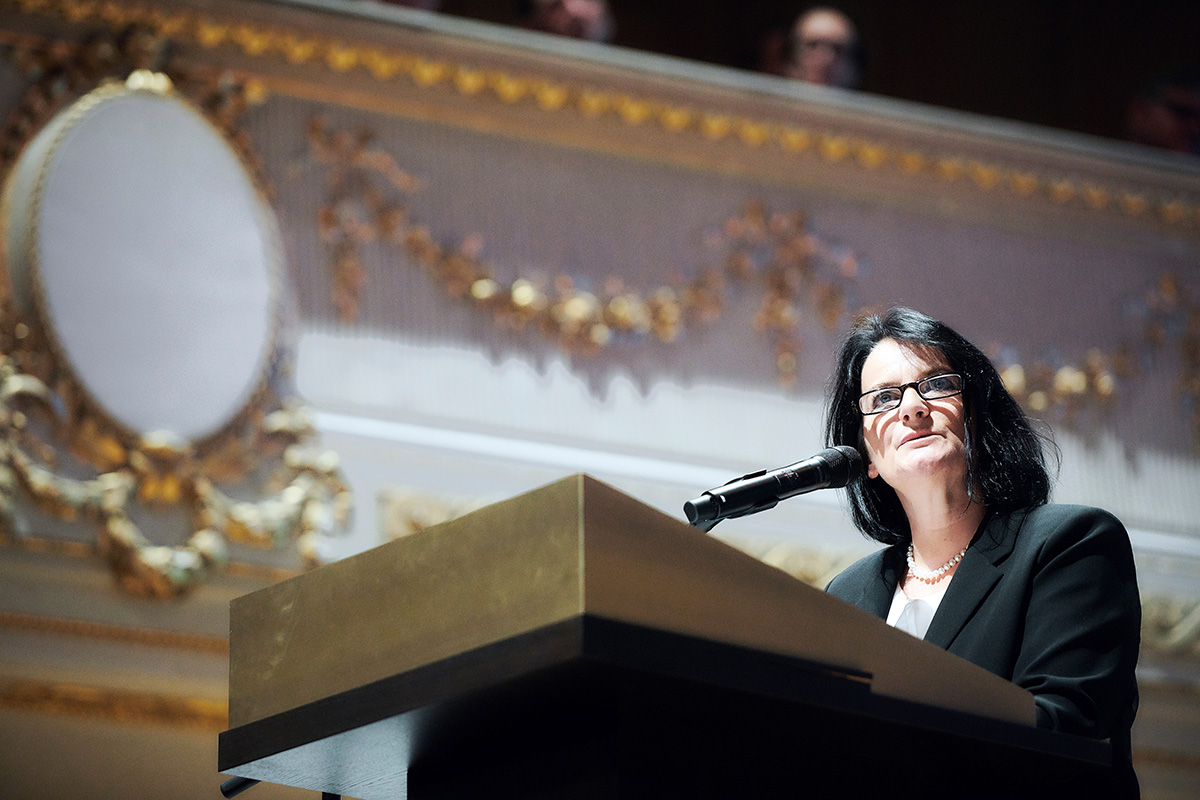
572 642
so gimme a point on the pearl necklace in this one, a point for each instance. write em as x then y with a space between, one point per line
937 574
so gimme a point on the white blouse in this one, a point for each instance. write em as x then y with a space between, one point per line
914 616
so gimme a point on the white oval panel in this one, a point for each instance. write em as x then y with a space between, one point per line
153 260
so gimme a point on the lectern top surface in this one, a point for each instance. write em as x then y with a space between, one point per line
575 547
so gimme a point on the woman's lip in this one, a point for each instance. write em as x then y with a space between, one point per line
912 437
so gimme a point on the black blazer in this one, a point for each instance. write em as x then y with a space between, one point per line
1047 598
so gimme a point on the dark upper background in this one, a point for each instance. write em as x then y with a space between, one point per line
1069 64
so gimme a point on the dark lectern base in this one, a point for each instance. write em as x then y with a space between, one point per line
592 708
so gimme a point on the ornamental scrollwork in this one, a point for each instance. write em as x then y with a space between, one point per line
165 509
801 277
1171 626
1162 334
308 499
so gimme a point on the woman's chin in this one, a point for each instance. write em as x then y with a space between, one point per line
930 461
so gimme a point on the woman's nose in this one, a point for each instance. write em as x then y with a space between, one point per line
911 403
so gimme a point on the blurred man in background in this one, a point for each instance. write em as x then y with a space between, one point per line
579 19
825 49
1167 113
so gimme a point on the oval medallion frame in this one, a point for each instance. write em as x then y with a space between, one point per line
143 248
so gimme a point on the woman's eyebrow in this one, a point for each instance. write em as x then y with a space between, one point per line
944 369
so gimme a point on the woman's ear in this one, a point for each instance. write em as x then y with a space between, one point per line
872 472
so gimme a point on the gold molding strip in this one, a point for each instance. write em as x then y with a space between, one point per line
298 47
58 547
63 547
174 640
115 705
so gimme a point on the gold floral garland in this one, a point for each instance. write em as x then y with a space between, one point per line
1072 394
797 272
41 408
1165 317
1171 318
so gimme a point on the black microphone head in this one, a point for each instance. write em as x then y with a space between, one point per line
702 509
844 464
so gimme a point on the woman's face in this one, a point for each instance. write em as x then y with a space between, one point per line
920 439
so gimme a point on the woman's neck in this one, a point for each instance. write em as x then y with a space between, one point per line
942 524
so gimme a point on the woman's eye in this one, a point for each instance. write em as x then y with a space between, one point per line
886 397
944 383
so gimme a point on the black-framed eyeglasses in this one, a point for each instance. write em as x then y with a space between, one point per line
886 398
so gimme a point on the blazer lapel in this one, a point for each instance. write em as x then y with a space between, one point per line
877 595
977 573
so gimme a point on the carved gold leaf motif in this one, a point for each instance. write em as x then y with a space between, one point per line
151 470
263 41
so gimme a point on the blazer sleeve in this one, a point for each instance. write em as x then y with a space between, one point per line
1082 624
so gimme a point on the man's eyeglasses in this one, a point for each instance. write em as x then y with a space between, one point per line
886 398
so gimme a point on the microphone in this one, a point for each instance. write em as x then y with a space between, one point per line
829 469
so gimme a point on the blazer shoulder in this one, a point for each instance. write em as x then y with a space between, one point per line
1060 518
1058 514
854 579
1056 527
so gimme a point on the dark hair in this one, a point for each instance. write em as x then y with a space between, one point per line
1006 467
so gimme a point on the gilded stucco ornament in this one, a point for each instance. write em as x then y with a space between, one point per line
1161 333
802 279
549 93
776 252
144 383
1073 394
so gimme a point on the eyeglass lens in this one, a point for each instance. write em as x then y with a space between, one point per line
889 397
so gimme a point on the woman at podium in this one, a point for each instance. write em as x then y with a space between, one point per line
977 561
